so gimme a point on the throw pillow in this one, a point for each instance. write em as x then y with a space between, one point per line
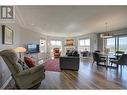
23 64
75 53
29 61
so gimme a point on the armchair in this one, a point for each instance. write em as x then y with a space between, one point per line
24 79
56 52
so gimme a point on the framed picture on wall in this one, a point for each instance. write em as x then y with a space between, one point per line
69 42
7 35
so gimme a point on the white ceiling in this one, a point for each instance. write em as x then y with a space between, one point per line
68 21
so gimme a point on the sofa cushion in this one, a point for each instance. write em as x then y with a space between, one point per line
75 53
72 53
29 61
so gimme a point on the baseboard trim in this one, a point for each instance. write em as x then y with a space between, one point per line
6 83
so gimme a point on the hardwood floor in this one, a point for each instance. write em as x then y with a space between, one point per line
88 77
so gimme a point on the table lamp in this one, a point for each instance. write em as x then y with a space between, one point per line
20 50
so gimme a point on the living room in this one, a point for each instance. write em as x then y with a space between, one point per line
63 39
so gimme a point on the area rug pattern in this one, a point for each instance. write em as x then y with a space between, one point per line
52 65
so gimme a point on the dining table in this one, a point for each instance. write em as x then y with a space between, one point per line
107 57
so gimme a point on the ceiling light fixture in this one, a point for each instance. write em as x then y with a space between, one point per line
32 24
106 34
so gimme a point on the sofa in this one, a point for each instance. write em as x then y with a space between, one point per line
70 61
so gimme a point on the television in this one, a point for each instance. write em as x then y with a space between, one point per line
33 48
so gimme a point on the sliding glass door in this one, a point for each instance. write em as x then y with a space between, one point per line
110 44
118 43
123 43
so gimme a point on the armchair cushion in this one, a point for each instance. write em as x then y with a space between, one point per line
19 66
31 70
29 61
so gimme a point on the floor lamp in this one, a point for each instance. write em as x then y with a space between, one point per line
20 50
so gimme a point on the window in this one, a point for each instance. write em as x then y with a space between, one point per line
82 42
84 45
123 44
42 45
110 44
85 42
56 43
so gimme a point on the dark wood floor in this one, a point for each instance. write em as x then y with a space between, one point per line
88 77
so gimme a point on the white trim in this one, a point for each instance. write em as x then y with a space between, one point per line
6 83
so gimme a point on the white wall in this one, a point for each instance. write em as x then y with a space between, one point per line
28 36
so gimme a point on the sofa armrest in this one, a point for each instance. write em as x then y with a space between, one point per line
31 70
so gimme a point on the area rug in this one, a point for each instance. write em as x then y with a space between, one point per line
52 65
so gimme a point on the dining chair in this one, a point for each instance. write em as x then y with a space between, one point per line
98 59
119 54
121 61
